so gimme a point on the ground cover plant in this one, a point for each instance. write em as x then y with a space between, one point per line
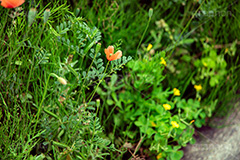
112 79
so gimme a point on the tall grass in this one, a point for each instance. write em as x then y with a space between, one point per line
38 115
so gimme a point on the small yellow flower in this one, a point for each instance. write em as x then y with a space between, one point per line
153 124
149 47
174 124
163 61
226 50
166 106
159 156
192 121
205 64
62 80
176 92
198 87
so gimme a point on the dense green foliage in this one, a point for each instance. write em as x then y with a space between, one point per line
60 98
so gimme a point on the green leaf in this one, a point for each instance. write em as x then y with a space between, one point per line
198 123
18 63
158 137
197 63
213 54
110 102
213 81
130 134
138 123
208 62
117 120
186 58
62 145
40 157
182 126
176 155
193 141
113 79
202 115
150 132
187 41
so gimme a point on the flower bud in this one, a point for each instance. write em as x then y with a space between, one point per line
31 16
46 15
150 12
62 80
77 12
98 102
98 47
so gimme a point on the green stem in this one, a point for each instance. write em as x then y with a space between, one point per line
33 56
4 22
92 97
189 22
99 83
44 94
95 120
85 78
143 36
184 122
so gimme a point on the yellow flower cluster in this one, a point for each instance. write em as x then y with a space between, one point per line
176 92
175 124
153 124
159 156
163 61
166 106
149 47
198 87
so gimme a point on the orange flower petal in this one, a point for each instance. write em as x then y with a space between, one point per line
11 3
112 57
111 49
115 56
110 53
119 54
106 52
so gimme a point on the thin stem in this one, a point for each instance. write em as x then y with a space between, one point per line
44 94
92 97
95 120
143 36
189 22
86 78
4 22
99 83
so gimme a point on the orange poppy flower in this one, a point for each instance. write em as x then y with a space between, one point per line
11 3
110 53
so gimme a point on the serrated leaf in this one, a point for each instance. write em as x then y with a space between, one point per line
99 60
124 59
113 79
91 55
101 69
100 65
